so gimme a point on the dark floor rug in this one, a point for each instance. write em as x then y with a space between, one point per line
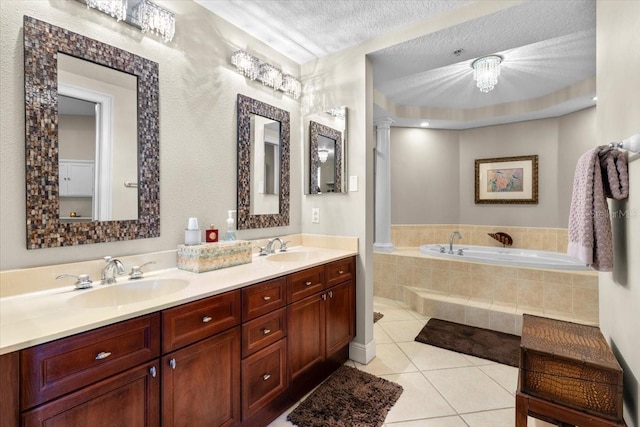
377 316
348 398
497 346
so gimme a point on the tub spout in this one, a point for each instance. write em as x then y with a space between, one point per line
453 235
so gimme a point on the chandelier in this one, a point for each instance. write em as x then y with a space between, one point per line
486 71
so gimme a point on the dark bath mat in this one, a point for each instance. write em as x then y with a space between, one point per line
348 398
492 345
377 316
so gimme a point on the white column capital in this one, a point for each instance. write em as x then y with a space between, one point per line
383 123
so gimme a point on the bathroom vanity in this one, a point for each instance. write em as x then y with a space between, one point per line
239 356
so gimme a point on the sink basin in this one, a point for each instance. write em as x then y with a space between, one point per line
292 256
127 293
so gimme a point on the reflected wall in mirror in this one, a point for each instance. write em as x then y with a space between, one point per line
327 152
263 165
97 129
46 47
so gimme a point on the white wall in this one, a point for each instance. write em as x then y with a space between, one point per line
618 117
198 89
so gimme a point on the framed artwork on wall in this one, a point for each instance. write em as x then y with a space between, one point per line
507 180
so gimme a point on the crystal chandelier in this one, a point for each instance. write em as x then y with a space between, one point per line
115 8
291 85
247 64
155 19
270 76
486 71
323 155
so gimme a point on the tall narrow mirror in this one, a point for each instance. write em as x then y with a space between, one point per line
263 165
327 152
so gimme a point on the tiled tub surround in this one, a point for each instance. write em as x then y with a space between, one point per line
34 306
488 296
543 239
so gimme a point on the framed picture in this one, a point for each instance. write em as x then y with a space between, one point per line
507 180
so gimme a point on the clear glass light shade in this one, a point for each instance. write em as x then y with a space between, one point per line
247 64
270 76
155 19
486 71
115 8
291 86
323 155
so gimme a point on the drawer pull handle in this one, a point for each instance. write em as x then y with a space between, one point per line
340 271
324 297
172 363
330 294
266 377
308 283
207 319
266 331
266 298
152 371
103 355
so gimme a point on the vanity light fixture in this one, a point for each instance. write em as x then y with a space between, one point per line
115 8
338 112
155 19
323 155
252 68
486 71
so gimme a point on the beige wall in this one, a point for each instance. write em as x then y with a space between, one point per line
617 117
198 89
432 171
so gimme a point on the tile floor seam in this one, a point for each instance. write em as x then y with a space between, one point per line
497 382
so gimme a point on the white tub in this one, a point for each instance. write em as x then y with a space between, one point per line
507 256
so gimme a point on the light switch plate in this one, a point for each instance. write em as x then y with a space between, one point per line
315 215
353 183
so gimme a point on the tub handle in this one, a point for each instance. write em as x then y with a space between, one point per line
442 249
460 251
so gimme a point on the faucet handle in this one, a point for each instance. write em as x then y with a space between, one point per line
283 245
82 281
442 249
136 270
461 251
263 250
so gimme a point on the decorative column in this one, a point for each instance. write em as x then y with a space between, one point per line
383 187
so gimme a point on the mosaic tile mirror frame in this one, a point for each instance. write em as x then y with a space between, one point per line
42 42
246 220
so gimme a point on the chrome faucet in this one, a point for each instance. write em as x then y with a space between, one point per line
114 266
454 234
283 245
136 270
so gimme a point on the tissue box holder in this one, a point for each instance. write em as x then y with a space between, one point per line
213 256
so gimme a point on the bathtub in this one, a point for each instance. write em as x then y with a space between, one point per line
507 256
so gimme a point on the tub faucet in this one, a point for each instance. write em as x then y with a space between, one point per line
114 266
454 234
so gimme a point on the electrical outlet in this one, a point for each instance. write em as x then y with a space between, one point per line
315 215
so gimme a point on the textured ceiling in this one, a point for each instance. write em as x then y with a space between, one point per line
547 45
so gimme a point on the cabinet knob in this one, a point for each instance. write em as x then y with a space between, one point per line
324 297
266 377
266 331
206 319
103 355
340 271
308 283
172 363
330 294
266 298
152 371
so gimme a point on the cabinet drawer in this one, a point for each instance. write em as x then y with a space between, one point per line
52 369
263 331
263 298
191 322
264 377
305 283
340 271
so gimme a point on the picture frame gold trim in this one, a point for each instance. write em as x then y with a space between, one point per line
528 194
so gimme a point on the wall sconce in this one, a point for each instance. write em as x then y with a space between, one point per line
252 68
323 155
143 14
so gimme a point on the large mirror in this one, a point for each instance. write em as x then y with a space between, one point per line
263 165
327 152
92 140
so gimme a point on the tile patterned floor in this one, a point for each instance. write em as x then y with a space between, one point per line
441 388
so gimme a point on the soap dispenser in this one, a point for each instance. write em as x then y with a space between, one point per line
230 235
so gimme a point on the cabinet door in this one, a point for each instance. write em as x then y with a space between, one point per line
76 179
305 330
127 399
201 383
340 316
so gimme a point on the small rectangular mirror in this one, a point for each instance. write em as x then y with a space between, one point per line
327 148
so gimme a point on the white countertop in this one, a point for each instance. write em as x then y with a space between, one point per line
39 317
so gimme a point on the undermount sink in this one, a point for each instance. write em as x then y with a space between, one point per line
292 256
127 293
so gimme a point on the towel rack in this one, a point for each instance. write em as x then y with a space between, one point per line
630 144
130 184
